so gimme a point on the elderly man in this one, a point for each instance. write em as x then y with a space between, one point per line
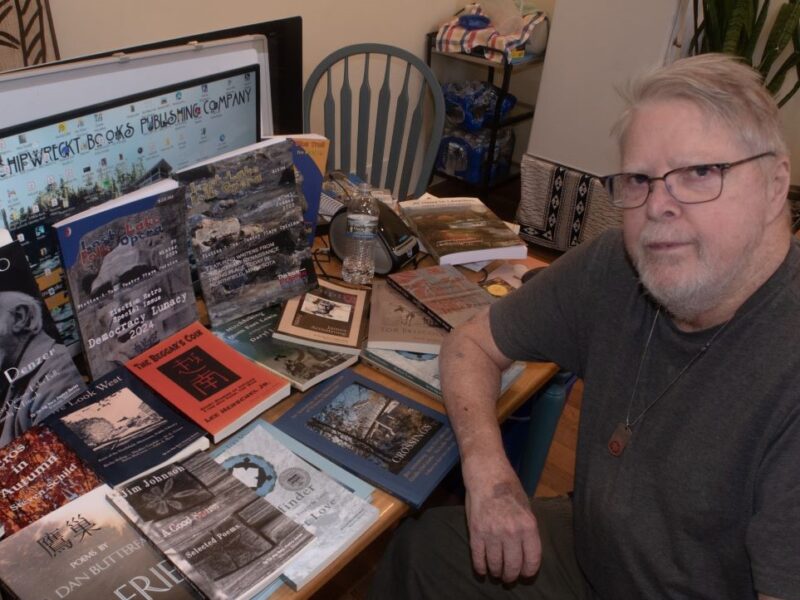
38 375
683 327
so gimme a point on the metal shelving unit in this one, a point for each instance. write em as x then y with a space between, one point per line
519 113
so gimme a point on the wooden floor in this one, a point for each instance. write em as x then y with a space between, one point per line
557 476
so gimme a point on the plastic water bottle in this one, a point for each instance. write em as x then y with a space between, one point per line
362 230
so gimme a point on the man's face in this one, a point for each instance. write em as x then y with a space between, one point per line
691 257
8 339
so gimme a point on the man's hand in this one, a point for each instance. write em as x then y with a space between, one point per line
504 537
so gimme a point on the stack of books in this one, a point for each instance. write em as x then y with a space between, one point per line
123 458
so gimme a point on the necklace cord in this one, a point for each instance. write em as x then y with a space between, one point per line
706 346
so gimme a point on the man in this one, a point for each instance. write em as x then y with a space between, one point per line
683 327
38 374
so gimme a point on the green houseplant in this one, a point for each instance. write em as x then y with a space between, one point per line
736 27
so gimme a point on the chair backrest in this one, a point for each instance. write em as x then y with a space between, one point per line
393 129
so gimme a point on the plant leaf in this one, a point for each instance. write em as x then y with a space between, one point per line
776 83
712 40
780 35
789 94
739 22
755 34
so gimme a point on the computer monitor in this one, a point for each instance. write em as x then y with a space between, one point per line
284 39
58 162
61 165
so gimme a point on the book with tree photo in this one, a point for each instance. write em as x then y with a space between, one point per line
398 444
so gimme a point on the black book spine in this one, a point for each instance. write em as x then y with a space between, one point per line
441 322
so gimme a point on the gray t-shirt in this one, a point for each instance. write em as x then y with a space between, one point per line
704 502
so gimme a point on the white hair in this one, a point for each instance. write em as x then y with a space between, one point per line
723 88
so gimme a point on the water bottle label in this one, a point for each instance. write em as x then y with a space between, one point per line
362 227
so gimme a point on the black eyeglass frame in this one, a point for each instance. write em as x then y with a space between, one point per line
723 169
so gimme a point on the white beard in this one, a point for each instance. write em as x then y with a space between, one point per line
686 293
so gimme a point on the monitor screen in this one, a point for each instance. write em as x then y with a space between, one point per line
55 167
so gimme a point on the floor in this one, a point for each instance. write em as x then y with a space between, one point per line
352 583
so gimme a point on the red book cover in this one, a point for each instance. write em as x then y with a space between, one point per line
38 474
208 381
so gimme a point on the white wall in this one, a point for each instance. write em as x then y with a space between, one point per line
89 26
593 47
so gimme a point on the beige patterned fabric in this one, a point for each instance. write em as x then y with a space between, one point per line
27 36
560 207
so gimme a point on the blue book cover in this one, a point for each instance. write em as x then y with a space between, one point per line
398 444
122 429
127 268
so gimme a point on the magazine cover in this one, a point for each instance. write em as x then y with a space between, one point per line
86 549
127 268
227 539
303 366
247 231
38 375
378 433
123 429
332 513
38 473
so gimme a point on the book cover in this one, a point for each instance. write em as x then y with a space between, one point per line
246 229
396 323
209 382
310 156
122 429
443 292
127 269
461 230
303 366
38 474
379 434
37 375
226 538
421 371
332 513
358 486
331 317
86 549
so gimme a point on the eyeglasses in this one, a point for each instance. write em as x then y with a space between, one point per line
694 184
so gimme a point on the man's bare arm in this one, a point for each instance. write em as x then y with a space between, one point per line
504 539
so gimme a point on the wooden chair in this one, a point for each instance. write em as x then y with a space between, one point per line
395 141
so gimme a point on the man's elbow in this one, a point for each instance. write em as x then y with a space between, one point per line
473 341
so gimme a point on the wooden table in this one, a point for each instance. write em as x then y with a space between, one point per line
392 510
535 376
